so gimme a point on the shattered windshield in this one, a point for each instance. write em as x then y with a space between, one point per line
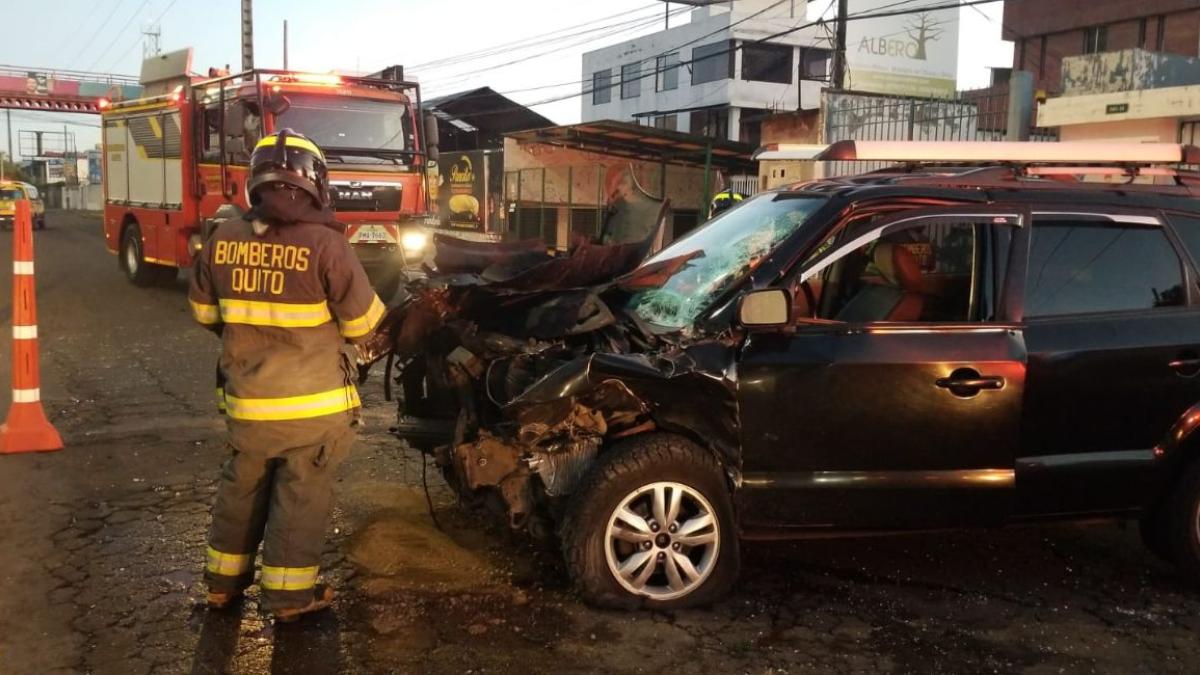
673 287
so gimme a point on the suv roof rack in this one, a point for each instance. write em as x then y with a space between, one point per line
1004 152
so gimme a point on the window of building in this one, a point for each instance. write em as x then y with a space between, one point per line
537 223
712 122
1160 36
1141 32
712 62
602 86
814 63
683 221
586 222
631 80
1081 266
767 63
1094 39
666 72
670 122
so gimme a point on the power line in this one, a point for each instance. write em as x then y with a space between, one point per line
98 31
96 5
117 35
616 29
789 31
543 38
157 21
665 52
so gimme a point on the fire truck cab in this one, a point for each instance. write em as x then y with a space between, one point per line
175 164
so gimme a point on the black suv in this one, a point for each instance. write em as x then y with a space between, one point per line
913 348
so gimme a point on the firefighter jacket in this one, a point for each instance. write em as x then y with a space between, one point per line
284 298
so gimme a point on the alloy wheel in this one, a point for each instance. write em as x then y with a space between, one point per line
662 541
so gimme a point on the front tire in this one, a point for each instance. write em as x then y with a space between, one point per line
1183 523
652 526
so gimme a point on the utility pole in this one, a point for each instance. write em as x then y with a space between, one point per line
247 35
667 16
839 47
8 114
285 67
151 36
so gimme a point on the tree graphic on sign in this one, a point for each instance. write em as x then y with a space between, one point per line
922 28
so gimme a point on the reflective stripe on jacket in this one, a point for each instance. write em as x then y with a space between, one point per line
284 303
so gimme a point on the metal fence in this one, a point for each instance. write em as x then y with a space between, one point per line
978 115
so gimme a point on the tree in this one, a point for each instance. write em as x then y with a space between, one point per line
10 171
922 28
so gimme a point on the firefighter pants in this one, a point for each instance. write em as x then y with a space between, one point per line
280 497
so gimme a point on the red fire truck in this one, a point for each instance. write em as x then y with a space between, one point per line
175 164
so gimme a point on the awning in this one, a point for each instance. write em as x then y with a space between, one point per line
625 139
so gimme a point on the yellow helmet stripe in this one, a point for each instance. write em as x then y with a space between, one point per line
292 142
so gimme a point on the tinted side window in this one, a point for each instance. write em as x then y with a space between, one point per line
1188 229
923 273
1080 266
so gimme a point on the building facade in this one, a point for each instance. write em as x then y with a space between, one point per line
1043 39
714 75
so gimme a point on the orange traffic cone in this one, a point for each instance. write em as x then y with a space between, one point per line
26 429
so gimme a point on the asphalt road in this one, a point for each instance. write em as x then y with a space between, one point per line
101 549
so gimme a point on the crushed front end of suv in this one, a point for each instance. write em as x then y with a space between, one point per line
913 348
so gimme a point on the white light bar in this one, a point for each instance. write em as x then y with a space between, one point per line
789 151
1016 152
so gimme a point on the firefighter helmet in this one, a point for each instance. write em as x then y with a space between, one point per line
292 159
724 200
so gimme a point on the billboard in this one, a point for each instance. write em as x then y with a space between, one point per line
470 190
910 54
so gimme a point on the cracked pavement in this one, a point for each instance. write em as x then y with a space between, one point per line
104 542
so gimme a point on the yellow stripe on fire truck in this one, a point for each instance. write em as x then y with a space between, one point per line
292 407
366 323
278 314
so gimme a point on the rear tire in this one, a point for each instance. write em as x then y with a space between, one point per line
133 261
40 223
621 490
1183 523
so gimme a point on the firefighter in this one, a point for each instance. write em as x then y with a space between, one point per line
724 200
285 292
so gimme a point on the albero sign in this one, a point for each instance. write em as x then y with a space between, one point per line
912 54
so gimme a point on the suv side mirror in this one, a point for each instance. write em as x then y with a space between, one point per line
765 307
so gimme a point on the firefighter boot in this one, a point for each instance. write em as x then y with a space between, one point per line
322 598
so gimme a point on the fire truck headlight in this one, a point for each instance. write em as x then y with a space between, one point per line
414 241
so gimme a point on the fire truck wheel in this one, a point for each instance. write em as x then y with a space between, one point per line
140 272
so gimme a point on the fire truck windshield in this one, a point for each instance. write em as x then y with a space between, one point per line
347 126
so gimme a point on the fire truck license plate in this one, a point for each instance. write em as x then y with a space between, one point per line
371 233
